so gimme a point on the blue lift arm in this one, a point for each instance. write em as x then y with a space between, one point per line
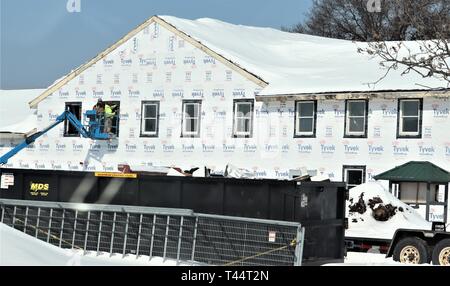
92 133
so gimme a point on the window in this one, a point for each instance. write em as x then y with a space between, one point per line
305 118
416 193
111 123
243 118
356 118
150 119
413 193
75 109
354 175
410 118
191 118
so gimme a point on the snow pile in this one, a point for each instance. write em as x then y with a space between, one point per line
295 63
20 249
374 212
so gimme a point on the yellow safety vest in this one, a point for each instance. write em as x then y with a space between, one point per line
108 111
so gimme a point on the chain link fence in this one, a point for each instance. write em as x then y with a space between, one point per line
177 234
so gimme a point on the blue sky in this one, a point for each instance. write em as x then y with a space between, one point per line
41 41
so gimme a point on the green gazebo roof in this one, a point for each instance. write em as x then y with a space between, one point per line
416 171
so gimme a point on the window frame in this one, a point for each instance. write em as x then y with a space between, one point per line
66 122
146 133
410 135
346 168
184 133
248 134
297 121
116 117
347 133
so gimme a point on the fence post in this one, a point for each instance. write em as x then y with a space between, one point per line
74 228
180 234
26 219
166 236
62 227
14 217
126 234
49 225
299 246
153 235
195 238
112 235
139 237
37 222
99 233
3 213
87 232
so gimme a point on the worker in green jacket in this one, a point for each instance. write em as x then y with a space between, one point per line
110 112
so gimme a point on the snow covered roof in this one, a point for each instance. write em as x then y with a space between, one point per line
281 63
293 63
16 117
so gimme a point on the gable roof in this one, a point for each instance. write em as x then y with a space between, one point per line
416 171
62 81
281 63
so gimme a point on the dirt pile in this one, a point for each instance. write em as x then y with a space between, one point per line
380 211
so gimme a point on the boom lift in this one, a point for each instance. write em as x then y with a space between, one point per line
93 130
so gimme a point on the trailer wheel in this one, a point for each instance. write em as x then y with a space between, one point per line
441 253
411 250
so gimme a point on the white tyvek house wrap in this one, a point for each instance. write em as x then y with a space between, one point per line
154 65
158 65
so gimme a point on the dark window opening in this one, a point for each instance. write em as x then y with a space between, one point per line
356 118
191 118
149 119
409 118
305 118
75 109
354 175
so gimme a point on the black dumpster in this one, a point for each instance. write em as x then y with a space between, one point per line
318 206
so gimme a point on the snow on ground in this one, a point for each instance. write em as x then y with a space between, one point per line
294 63
364 225
366 259
370 259
20 249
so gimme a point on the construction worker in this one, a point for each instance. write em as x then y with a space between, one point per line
100 108
110 112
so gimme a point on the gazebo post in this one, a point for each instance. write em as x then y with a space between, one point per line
446 203
428 201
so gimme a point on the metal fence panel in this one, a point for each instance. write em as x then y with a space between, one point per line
181 234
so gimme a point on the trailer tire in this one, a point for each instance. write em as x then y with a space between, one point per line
441 253
411 250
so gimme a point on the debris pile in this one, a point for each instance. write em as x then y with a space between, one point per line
380 211
374 212
384 212
358 207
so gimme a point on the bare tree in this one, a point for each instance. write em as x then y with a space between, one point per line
428 57
395 20
406 35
